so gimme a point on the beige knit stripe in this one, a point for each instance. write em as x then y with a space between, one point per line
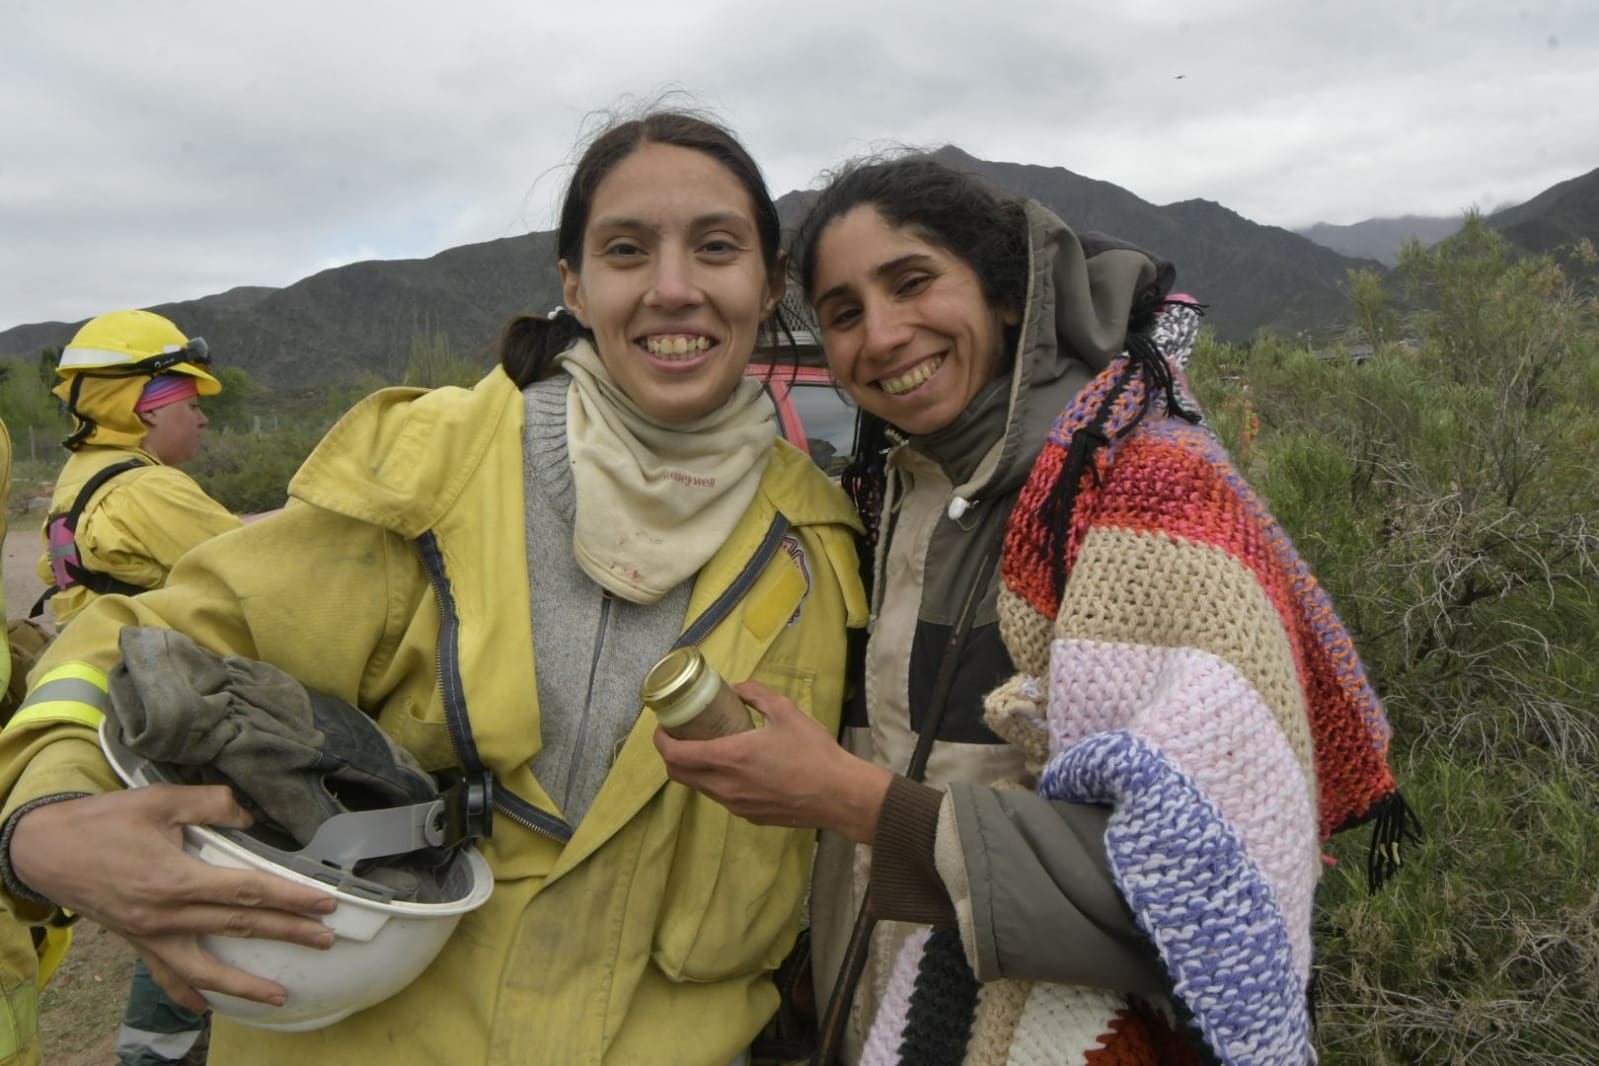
1026 634
1150 589
999 1008
1063 1024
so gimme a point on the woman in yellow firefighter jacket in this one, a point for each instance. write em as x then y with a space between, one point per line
132 382
512 558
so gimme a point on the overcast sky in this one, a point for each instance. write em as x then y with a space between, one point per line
169 149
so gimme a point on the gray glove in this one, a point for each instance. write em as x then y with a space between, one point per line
294 757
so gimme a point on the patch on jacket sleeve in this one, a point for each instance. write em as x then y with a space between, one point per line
796 551
781 591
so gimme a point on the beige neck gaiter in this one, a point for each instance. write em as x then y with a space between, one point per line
655 501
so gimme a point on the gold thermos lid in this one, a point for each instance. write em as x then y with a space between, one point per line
672 678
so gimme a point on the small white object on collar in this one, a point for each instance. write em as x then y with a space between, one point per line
958 507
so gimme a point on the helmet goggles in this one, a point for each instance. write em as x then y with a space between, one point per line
196 353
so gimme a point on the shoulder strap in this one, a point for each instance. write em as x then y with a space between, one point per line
453 689
78 574
92 486
830 1029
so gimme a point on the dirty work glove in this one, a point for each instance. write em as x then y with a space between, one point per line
293 756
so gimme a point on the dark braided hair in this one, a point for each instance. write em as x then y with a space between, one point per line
949 208
988 230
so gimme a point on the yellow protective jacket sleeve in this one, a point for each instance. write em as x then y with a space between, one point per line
50 747
135 527
19 996
650 935
5 496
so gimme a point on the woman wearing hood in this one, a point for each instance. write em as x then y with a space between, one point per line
1105 713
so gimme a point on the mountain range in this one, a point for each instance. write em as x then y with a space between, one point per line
1556 218
336 325
1380 238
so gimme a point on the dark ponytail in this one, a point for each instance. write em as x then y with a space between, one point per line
530 343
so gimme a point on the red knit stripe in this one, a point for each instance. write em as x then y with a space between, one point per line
1140 1037
1163 486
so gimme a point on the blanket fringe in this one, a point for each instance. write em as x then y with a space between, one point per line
1393 824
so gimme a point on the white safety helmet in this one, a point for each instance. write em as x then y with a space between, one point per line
381 943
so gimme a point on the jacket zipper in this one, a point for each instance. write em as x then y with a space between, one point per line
588 697
453 692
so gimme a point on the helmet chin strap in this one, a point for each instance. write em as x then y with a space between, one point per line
455 817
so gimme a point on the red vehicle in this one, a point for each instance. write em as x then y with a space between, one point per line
813 413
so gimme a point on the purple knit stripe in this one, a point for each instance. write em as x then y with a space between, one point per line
1205 716
1085 406
1196 892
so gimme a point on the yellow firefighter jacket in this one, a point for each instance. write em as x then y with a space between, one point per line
135 526
648 936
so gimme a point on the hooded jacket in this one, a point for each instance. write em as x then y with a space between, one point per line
393 580
135 527
948 500
1183 697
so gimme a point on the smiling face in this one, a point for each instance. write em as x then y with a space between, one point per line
672 282
908 331
174 431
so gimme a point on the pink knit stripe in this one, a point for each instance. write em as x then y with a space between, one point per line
1203 714
1152 590
888 1027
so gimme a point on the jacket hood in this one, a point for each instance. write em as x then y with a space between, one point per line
1082 293
401 458
102 409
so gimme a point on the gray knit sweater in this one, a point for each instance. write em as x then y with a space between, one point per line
590 649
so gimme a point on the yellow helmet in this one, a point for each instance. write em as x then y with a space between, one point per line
108 364
137 343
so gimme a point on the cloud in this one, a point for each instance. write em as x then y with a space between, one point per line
176 148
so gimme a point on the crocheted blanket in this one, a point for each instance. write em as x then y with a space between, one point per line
1178 663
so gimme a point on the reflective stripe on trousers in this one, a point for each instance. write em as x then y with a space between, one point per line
154 1029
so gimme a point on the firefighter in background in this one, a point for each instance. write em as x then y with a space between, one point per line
122 515
123 512
20 971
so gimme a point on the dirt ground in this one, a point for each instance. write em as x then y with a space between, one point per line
21 556
80 1011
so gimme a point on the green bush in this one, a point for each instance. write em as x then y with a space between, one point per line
1445 493
249 473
